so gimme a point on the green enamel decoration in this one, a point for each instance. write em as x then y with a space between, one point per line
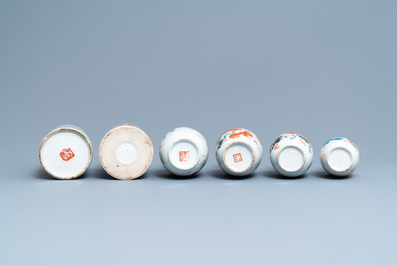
304 138
222 140
333 139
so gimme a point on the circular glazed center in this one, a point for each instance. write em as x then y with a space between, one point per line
238 157
340 159
126 153
291 159
183 154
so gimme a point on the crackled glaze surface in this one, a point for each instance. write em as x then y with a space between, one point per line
126 152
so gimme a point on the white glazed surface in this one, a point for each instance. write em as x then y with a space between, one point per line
126 152
238 152
291 154
183 151
339 156
66 152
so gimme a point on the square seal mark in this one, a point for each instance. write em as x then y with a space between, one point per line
66 154
184 156
237 158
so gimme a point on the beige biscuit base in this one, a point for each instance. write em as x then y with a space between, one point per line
126 134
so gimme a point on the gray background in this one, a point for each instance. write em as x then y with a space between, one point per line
321 68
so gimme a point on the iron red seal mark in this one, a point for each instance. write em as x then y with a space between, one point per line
237 158
184 156
66 154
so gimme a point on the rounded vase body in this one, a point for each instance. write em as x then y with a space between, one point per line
183 151
339 156
238 152
291 154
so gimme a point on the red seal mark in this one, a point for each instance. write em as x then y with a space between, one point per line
237 158
184 156
66 154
